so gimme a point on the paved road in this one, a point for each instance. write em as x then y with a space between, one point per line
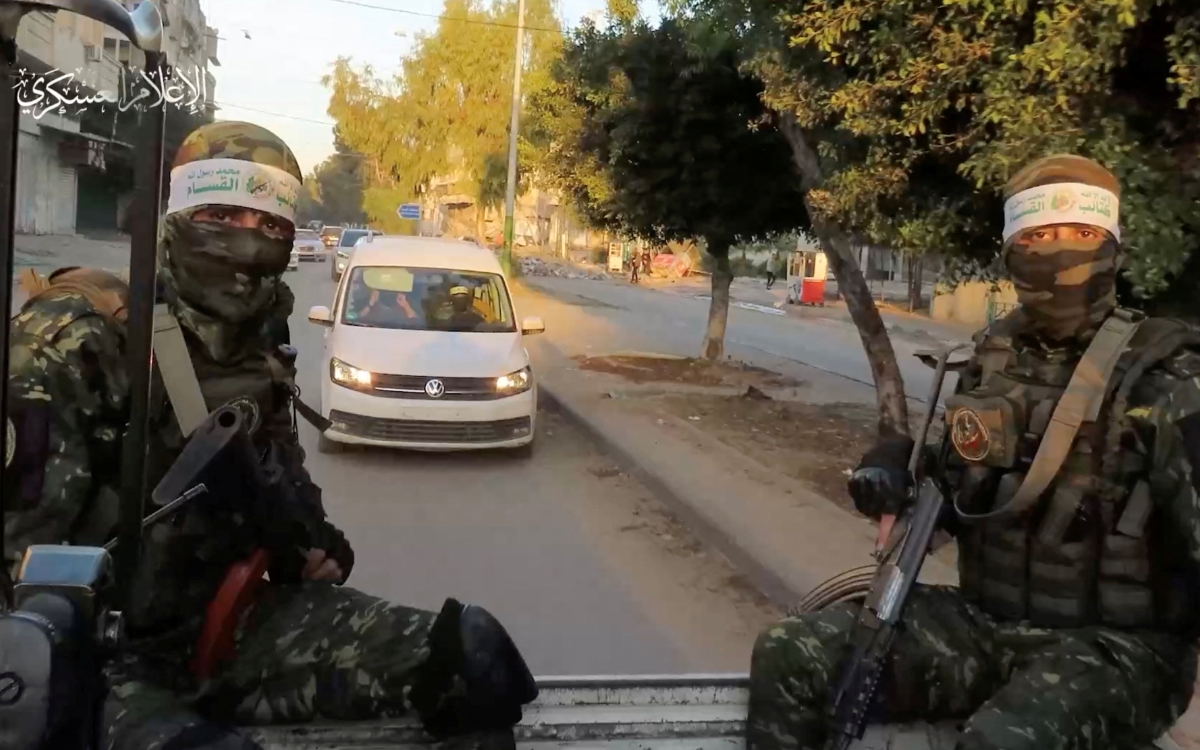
643 318
582 567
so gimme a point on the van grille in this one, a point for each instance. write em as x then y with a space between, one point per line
457 389
421 431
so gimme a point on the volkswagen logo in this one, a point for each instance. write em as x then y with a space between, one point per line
435 388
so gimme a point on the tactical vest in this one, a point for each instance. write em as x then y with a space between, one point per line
1087 549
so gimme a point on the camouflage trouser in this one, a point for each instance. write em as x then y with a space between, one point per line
1022 688
305 652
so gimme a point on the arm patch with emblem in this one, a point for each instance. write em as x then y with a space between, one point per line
29 433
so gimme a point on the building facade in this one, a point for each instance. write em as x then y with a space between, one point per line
74 163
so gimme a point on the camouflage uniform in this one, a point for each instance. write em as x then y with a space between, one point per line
306 649
1085 641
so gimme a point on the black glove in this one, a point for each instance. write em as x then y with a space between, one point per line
337 547
879 484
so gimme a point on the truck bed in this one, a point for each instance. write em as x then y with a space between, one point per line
676 712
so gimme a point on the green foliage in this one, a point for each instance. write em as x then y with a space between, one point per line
447 114
924 109
334 191
654 136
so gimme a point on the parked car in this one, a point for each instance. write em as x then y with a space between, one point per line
330 235
344 245
424 351
308 245
294 261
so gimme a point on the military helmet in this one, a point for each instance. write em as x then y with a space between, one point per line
238 140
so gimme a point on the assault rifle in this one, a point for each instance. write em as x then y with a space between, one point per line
904 546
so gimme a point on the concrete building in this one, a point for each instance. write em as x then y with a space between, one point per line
74 163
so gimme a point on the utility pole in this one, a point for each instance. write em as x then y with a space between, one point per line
510 193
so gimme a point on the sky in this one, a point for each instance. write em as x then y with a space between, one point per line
273 78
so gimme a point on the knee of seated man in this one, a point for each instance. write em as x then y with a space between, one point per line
801 644
469 646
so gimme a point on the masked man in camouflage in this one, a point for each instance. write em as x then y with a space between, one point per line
307 647
1074 623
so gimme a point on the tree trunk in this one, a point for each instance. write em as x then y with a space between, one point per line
479 223
718 309
916 282
889 384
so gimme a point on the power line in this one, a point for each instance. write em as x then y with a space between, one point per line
459 19
276 114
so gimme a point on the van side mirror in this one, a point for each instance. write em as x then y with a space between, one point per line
320 315
530 326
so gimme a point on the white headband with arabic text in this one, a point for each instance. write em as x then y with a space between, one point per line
1062 203
234 182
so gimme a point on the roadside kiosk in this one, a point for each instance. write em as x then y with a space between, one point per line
616 257
806 274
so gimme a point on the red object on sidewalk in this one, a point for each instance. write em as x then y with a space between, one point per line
812 292
215 643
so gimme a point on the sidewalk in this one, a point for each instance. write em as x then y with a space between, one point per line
786 537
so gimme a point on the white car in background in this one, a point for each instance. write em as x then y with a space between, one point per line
348 239
424 351
294 261
308 245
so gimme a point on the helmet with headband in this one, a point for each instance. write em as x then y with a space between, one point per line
228 230
1062 243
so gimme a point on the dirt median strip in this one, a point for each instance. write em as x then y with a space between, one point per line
775 587
785 537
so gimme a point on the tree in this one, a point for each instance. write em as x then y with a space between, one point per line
447 114
335 189
667 140
906 118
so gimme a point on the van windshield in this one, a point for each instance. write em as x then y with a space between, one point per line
427 299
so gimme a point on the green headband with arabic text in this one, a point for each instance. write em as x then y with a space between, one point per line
234 182
1062 203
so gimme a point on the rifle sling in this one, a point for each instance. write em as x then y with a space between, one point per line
178 374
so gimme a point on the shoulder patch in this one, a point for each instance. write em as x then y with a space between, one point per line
249 411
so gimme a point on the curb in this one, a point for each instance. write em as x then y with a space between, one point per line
770 584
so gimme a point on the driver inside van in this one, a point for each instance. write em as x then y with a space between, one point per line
379 298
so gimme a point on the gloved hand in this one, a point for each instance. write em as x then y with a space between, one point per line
879 484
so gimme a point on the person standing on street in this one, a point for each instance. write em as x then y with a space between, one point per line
772 268
1077 614
633 278
307 647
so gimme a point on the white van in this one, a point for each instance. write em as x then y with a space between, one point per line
424 350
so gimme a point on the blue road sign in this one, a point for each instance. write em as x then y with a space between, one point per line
409 211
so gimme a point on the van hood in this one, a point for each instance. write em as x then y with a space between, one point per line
432 353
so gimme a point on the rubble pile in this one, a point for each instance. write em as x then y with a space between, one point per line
539 267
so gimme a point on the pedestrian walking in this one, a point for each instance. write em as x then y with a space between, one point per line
772 267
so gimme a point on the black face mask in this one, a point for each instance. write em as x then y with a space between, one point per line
228 273
1065 286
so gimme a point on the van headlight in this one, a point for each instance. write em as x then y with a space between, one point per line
348 375
516 382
